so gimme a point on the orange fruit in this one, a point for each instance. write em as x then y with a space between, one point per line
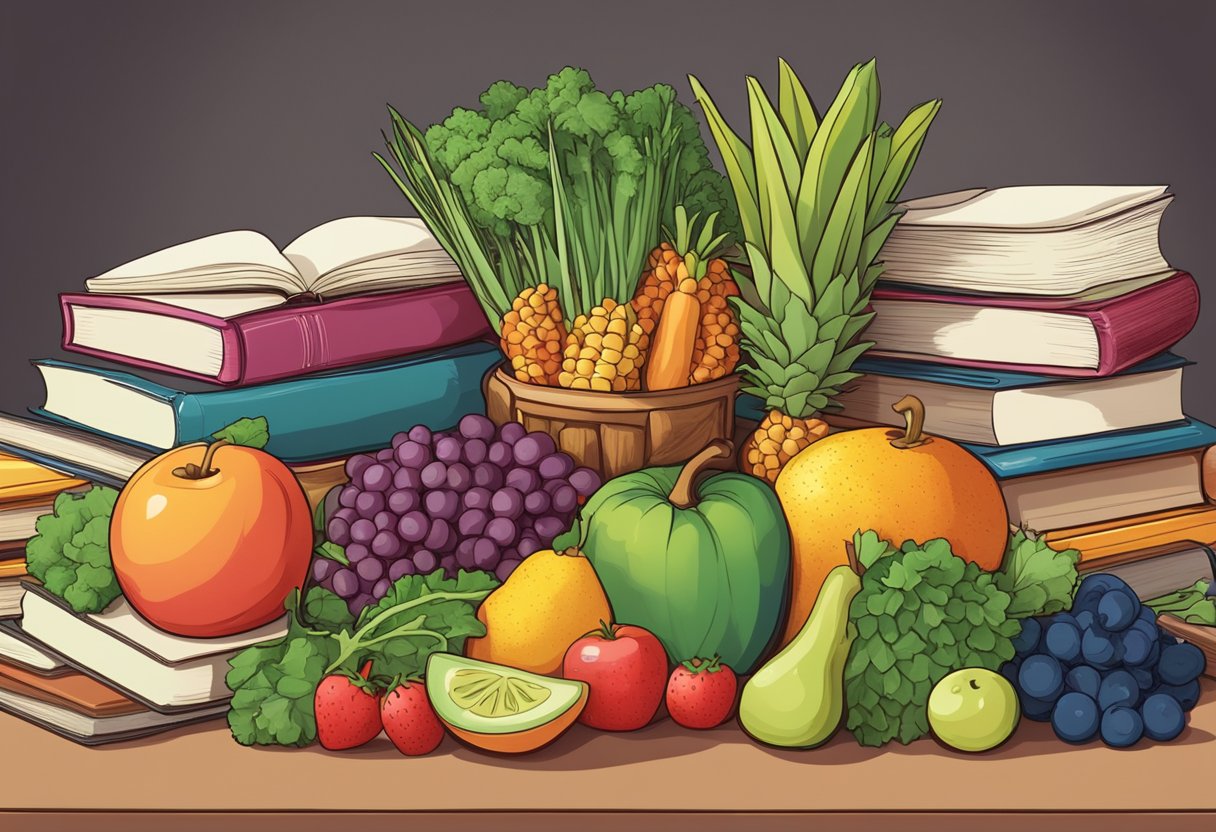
901 484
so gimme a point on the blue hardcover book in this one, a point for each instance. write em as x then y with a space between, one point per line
314 417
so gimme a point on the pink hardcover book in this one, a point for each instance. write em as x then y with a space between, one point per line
951 328
268 344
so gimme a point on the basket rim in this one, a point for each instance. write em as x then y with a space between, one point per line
602 400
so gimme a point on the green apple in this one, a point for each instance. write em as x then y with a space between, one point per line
973 709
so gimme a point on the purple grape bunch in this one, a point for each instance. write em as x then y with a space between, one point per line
473 498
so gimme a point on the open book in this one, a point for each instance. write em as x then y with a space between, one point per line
239 271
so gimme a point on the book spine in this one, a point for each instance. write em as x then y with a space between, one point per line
1141 325
1102 541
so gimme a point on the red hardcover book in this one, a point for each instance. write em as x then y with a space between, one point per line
1045 335
268 344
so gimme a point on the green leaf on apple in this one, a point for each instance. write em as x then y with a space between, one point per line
251 433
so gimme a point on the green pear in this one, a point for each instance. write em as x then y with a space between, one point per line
796 699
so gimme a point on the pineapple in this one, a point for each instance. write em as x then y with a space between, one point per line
602 351
533 335
816 202
716 351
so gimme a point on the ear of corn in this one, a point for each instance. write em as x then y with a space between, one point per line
534 335
602 350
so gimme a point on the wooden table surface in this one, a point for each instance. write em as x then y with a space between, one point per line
661 777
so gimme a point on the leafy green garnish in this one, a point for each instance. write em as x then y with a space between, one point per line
1039 579
273 683
922 613
326 549
1191 604
252 433
70 554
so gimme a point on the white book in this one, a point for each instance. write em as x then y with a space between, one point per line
1052 240
93 730
166 672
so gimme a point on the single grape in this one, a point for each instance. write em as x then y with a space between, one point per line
1087 620
499 454
435 475
362 530
487 475
507 502
356 552
338 530
385 520
361 600
1137 647
510 552
1180 663
381 587
346 497
1163 717
408 478
585 481
474 451
413 526
384 455
377 477
403 500
532 448
1075 718
1145 678
1063 640
370 569
485 553
442 504
347 514
549 527
425 561
399 439
522 479
460 478
413 454
1027 641
447 449
505 568
401 568
1010 671
369 504
1121 727
528 545
1118 688
441 537
1041 677
356 465
322 568
556 466
420 434
386 544
1092 588
345 583
464 553
511 432
537 502
1117 610
476 426
477 497
501 530
1098 649
472 522
1187 695
565 499
449 566
1037 709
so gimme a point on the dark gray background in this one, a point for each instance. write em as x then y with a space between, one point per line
129 126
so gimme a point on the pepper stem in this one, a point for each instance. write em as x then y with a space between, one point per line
913 411
684 492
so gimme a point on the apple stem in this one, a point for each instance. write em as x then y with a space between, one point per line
198 472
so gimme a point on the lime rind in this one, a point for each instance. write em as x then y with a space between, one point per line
488 698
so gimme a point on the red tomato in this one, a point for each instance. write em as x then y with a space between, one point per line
626 670
208 556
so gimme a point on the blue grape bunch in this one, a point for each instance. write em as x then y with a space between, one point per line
478 497
1105 669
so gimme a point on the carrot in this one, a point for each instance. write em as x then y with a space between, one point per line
670 357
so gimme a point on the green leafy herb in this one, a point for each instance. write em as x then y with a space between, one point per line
70 554
273 683
326 549
1192 603
252 433
922 612
1039 579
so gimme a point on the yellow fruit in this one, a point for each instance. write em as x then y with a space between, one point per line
547 603
602 351
901 484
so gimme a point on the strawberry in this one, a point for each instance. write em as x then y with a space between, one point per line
347 710
701 693
409 720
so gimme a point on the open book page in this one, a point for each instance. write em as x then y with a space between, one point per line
1041 207
356 254
233 261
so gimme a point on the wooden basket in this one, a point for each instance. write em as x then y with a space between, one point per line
616 433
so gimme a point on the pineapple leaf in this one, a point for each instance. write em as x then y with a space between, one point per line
762 275
776 347
800 330
842 234
834 328
779 297
844 359
830 303
806 382
796 405
769 369
853 325
797 110
838 379
773 153
882 155
818 356
737 159
905 147
768 130
875 238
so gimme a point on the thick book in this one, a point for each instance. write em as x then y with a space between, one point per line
991 407
1051 336
1030 239
167 673
72 451
1159 570
322 416
1112 540
82 709
269 344
19 649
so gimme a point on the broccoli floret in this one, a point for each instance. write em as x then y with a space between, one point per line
70 554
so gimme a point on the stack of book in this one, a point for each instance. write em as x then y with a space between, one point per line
359 329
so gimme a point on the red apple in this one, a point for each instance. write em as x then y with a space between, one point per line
626 670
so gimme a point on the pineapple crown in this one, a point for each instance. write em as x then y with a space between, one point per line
696 255
817 198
